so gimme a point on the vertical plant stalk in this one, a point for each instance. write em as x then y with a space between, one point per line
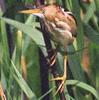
44 75
50 54
3 6
24 71
23 67
10 40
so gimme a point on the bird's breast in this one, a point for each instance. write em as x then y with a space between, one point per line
60 24
60 32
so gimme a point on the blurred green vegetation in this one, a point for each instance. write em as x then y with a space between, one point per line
19 59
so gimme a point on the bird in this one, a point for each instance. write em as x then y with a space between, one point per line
62 26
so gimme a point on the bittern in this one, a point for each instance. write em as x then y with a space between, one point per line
61 26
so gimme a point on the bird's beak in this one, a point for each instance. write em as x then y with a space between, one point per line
36 12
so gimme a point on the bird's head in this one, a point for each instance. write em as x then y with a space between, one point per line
48 11
51 13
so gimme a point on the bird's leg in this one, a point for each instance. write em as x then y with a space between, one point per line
63 78
52 58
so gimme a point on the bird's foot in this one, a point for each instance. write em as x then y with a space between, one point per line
61 86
